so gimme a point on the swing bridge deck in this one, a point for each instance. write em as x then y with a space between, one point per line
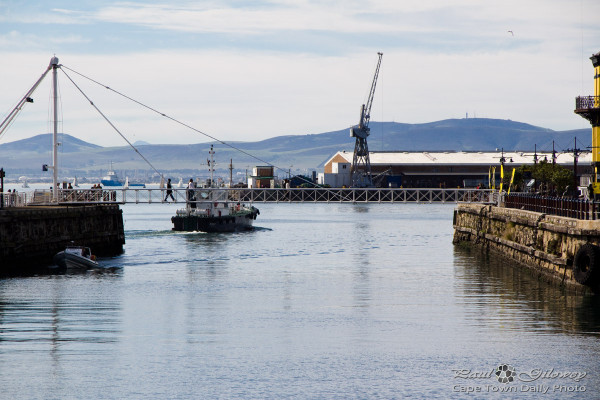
260 195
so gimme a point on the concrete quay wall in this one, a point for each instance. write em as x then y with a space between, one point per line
546 244
30 236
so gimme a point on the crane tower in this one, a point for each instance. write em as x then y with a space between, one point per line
361 164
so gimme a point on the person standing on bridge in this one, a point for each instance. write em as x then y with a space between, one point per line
191 194
169 191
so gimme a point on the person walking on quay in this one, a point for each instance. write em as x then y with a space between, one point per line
169 191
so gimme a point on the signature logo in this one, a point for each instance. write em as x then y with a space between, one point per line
505 373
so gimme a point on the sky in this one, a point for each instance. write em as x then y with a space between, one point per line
249 70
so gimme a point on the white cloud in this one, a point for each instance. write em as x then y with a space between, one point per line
375 16
15 38
18 40
247 20
55 16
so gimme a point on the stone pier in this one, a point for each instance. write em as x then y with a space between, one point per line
546 244
30 236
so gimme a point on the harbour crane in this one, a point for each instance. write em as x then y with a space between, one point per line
361 164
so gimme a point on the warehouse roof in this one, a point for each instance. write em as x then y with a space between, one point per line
461 157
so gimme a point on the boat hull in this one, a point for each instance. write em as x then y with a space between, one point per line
229 223
73 261
106 182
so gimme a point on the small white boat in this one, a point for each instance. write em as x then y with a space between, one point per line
76 257
128 184
24 180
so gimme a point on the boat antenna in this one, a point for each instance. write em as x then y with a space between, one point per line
211 165
230 172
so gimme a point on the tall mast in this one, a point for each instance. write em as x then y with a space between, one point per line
231 172
211 164
55 65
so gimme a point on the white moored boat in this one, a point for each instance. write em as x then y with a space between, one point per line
111 179
76 257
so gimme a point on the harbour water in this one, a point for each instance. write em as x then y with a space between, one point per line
321 301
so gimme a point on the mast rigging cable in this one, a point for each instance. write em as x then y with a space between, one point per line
25 99
168 117
112 125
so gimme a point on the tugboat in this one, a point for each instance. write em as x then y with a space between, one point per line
111 179
209 210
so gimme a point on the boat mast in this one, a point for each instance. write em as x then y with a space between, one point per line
55 66
211 165
231 172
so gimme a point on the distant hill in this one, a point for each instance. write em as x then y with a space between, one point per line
298 152
43 143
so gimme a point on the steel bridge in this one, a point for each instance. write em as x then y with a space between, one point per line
256 195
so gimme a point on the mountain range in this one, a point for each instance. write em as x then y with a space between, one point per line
299 153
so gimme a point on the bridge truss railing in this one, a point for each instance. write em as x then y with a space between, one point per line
370 195
278 195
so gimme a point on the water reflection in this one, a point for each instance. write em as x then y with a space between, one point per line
360 208
361 264
498 293
57 317
206 254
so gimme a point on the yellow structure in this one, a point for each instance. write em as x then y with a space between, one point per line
596 124
589 108
596 61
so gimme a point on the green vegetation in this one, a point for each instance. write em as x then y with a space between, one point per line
509 231
550 178
554 246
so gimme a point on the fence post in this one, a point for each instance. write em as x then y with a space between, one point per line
2 174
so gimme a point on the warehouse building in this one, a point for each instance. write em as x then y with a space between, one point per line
439 169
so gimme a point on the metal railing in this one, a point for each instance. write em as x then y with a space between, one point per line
560 206
366 195
277 195
585 102
13 199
